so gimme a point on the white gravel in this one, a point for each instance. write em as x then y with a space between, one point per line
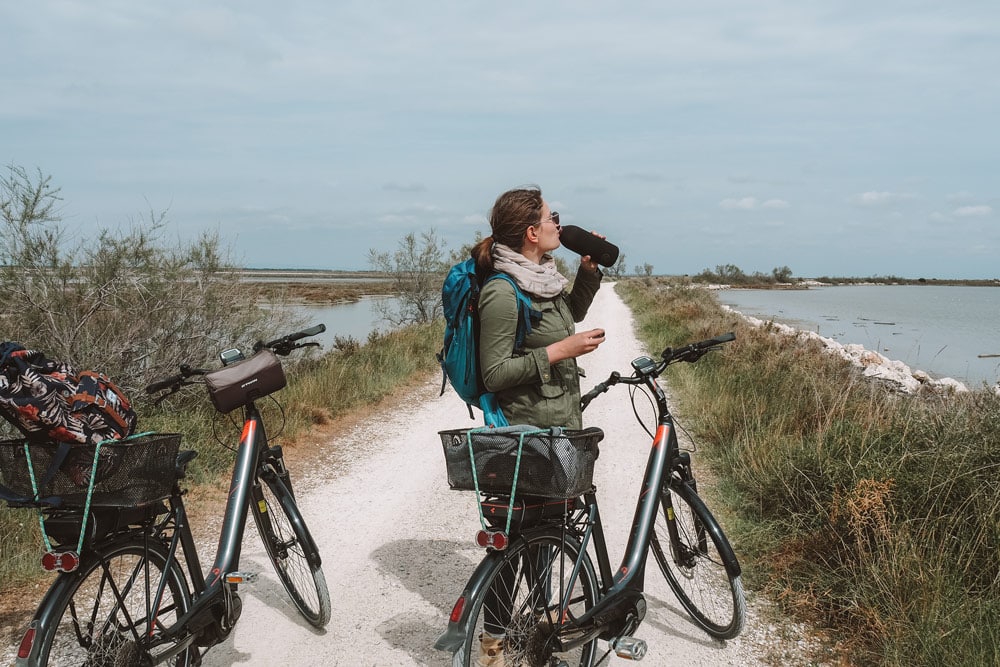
398 544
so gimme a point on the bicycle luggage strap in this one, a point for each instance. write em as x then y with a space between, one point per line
517 468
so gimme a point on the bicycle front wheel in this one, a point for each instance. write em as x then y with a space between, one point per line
687 543
291 549
516 618
108 612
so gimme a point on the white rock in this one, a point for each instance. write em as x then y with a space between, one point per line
873 364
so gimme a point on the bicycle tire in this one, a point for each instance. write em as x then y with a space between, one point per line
532 580
693 566
290 548
101 617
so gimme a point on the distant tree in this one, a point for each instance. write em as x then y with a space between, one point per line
730 273
618 270
417 270
782 274
644 270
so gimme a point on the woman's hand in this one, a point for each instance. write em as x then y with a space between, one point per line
576 345
586 262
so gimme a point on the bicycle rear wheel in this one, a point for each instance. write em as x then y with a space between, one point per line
518 608
107 613
687 543
291 549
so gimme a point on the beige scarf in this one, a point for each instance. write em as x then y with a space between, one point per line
541 280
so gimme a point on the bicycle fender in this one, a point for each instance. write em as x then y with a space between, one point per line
454 636
722 542
295 515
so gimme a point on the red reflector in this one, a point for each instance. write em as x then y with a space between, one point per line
491 540
456 611
26 642
66 561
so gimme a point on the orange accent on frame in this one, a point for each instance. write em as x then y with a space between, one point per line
248 430
661 436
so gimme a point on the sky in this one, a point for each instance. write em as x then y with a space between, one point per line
835 138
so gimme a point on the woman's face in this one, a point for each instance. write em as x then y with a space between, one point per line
548 229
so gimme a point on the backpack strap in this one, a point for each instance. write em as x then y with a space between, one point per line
90 384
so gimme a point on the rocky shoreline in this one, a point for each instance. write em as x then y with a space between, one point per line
893 373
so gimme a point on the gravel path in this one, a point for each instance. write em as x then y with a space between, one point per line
398 544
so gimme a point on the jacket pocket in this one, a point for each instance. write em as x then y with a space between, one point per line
551 390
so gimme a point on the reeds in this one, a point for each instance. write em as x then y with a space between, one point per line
868 512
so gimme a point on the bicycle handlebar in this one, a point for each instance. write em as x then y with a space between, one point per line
645 368
280 346
284 345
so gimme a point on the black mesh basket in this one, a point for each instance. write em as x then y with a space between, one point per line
555 463
130 473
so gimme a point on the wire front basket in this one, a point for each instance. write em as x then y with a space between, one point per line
132 472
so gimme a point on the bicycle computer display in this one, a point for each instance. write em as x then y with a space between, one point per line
643 364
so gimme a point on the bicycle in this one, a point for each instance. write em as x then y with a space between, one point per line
538 585
136 594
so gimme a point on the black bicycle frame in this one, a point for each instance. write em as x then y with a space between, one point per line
211 588
621 589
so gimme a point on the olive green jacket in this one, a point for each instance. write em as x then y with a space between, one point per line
529 390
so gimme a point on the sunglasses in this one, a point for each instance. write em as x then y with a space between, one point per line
554 217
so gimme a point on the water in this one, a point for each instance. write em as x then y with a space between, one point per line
939 329
356 319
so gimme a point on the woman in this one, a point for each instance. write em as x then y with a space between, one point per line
540 384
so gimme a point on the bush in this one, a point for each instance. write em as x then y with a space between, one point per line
122 301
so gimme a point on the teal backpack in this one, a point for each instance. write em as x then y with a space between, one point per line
459 357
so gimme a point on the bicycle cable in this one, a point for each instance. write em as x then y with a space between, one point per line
238 426
632 391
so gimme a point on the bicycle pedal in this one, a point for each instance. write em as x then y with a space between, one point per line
629 648
241 577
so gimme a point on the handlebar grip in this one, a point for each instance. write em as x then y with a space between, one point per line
592 394
291 338
313 330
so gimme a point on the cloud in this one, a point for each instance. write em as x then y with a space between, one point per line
973 211
880 198
744 204
960 197
752 203
643 177
404 187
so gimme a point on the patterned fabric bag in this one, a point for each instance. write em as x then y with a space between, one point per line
48 400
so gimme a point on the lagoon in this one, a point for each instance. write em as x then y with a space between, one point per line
356 319
943 330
